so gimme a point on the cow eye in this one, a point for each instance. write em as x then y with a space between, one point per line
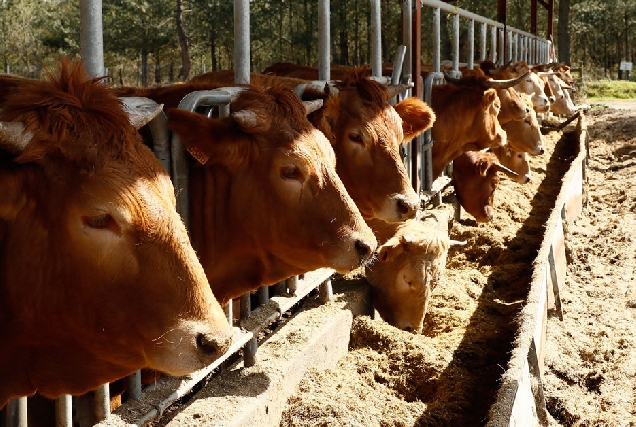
291 172
356 137
103 221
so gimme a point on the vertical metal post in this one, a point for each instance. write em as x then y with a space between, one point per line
324 37
64 411
502 47
249 349
102 403
436 40
471 44
134 385
509 45
91 37
263 295
456 42
482 41
326 291
376 38
16 412
493 44
228 310
292 284
407 40
241 41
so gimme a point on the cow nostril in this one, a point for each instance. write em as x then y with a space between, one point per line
527 178
541 150
405 208
213 346
363 248
408 328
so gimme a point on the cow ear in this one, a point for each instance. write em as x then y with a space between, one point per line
390 250
416 116
209 140
489 97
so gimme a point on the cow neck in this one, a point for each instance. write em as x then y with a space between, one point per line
224 248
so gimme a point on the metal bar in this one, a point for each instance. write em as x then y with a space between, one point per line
241 41
456 42
324 29
326 291
134 385
407 40
161 141
493 44
263 295
482 42
16 412
102 403
376 38
228 310
436 40
471 44
64 411
292 284
91 37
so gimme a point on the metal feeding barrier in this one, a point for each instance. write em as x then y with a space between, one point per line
270 302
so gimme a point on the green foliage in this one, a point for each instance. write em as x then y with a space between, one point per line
141 43
606 90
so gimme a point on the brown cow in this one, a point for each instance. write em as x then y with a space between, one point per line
531 84
475 179
266 203
408 266
98 278
466 111
366 133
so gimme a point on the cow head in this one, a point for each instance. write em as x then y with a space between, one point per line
562 102
516 161
467 119
407 268
525 135
366 133
475 178
98 277
269 198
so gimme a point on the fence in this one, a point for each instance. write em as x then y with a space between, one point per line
506 44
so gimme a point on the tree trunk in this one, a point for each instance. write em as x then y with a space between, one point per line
564 31
186 64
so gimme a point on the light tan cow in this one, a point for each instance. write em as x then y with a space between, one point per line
408 267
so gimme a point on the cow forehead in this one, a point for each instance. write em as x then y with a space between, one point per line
382 125
314 148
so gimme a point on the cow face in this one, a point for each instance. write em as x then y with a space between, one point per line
516 161
407 269
99 278
272 202
525 135
366 133
475 179
534 86
488 132
513 106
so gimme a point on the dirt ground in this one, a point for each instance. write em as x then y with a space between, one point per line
449 375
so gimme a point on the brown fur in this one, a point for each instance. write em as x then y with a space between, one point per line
250 225
466 120
409 265
97 270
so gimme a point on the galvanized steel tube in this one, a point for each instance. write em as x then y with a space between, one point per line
91 37
324 37
134 385
407 35
241 41
16 412
482 42
436 40
102 402
456 42
493 44
471 44
376 38
64 411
